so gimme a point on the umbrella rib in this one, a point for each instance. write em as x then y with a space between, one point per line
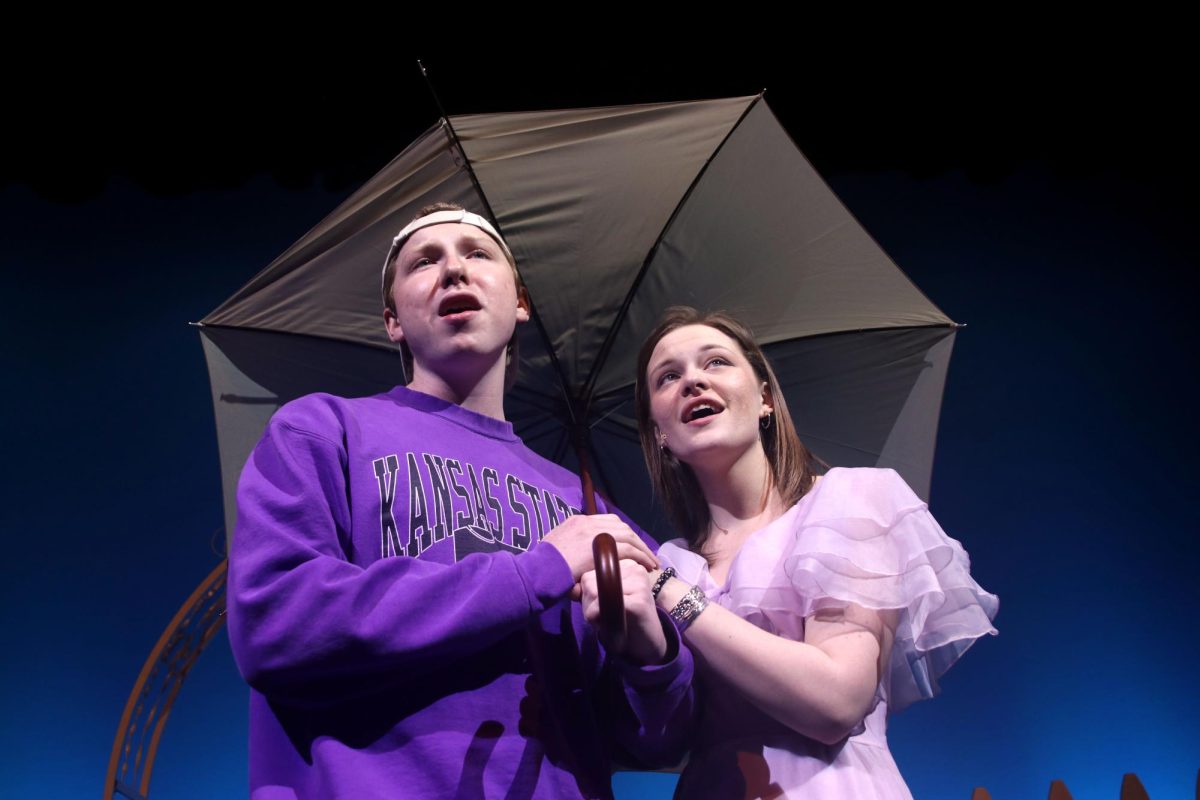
624 387
560 449
610 338
808 437
534 399
303 334
624 433
610 494
540 427
533 312
609 413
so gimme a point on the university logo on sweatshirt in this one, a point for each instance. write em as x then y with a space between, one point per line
479 508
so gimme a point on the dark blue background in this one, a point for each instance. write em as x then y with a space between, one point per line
1042 194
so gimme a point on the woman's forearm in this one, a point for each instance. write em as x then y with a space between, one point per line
821 689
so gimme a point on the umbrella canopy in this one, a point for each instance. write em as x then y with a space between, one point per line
613 214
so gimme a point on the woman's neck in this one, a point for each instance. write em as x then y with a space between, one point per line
742 494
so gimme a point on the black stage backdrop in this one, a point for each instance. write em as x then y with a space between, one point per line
1038 189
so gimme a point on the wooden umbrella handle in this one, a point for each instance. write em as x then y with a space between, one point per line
608 590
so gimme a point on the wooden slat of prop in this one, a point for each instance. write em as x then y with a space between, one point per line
1132 789
1058 791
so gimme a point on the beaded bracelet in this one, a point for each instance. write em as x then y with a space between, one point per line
669 572
689 607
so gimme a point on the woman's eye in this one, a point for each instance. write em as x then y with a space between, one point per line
718 361
666 377
420 262
478 254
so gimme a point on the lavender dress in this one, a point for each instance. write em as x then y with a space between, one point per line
859 536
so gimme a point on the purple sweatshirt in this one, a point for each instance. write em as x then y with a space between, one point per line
402 630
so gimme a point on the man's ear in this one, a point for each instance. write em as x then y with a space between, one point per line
522 304
394 331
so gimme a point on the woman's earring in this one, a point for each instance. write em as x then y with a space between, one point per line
764 421
662 441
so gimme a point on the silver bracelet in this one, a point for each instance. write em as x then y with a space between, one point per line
689 607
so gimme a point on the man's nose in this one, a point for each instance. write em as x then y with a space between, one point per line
454 270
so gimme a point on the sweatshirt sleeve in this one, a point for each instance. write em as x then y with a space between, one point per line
656 705
308 627
659 704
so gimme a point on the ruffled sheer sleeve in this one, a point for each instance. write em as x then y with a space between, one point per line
862 536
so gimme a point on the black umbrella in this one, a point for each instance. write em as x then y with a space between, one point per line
613 214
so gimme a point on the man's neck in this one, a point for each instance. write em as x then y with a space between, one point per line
482 393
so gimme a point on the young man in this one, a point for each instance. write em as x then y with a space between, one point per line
400 575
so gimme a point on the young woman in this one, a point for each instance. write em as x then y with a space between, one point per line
814 604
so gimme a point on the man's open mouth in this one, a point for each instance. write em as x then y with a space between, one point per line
458 305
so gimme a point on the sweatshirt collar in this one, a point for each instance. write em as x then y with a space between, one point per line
479 423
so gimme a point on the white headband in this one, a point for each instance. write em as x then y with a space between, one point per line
441 218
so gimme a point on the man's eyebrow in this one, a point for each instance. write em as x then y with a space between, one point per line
468 239
426 246
479 241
